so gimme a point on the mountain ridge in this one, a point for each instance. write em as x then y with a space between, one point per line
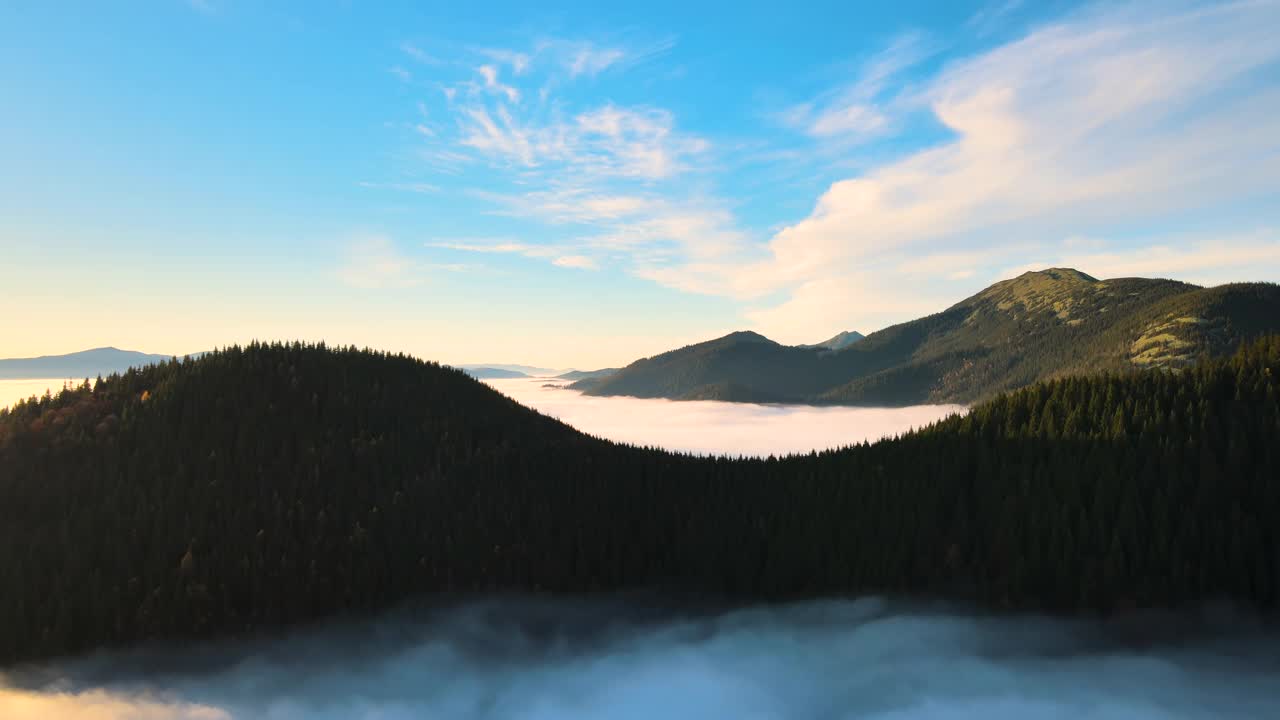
1038 325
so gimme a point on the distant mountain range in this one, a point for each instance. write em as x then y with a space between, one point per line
1037 326
493 373
83 364
522 370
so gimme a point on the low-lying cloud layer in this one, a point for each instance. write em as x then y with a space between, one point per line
719 428
536 660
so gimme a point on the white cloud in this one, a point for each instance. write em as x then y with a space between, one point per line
848 119
519 62
419 54
857 110
580 262
608 141
490 75
990 17
1208 261
1115 115
484 245
413 187
590 60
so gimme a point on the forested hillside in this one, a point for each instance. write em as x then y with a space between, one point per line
1038 326
274 484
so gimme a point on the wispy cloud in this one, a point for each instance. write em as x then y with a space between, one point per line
401 73
491 83
590 60
494 245
420 55
558 255
580 262
608 141
1110 115
857 109
988 18
519 62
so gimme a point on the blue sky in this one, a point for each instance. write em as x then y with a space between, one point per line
580 185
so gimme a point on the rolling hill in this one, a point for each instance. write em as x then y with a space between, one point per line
259 487
1040 325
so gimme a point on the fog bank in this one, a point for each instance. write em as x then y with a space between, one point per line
538 660
718 428
11 391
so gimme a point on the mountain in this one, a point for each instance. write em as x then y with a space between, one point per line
83 364
838 342
489 373
524 370
256 488
587 374
1037 326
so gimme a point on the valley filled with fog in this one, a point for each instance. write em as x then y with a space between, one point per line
705 427
711 427
11 391
538 660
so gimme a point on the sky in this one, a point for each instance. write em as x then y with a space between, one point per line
581 184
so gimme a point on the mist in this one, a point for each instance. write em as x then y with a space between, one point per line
13 390
718 428
525 659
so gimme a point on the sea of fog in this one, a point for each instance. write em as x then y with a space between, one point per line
711 427
11 391
564 660
703 426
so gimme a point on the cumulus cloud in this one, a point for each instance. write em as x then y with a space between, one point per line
632 657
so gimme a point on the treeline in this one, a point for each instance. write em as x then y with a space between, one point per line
273 484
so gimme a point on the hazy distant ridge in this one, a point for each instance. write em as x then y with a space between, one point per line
83 364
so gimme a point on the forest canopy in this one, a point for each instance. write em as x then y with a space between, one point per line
271 484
